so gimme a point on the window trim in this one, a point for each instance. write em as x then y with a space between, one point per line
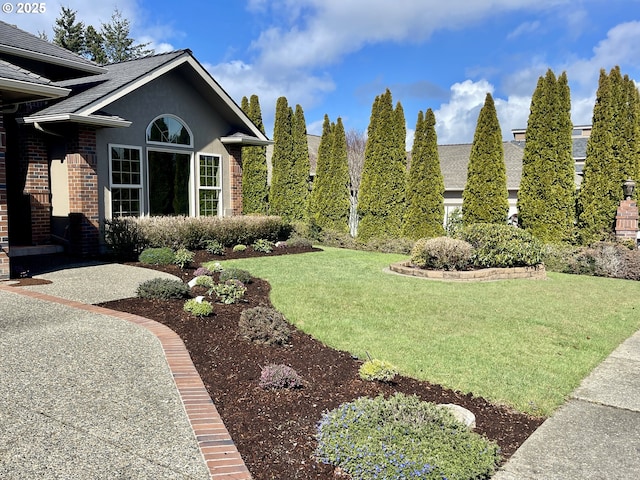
200 187
166 144
132 186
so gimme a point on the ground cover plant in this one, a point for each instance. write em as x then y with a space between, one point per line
274 430
526 344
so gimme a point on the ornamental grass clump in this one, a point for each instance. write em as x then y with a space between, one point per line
442 253
279 376
157 256
264 325
231 291
198 307
377 370
163 289
402 437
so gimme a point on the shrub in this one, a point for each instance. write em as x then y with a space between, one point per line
377 370
442 253
198 307
157 256
388 245
124 238
162 288
205 281
279 376
264 246
402 437
235 274
239 248
454 222
231 291
200 271
299 242
497 245
264 325
563 258
183 257
214 247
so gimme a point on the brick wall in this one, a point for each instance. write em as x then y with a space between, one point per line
37 184
235 166
5 269
84 220
627 220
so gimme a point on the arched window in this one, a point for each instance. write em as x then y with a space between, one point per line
169 129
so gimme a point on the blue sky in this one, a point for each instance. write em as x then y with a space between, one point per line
334 56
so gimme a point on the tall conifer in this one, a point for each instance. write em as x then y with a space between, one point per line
424 216
319 189
299 176
485 196
254 164
282 158
381 198
546 199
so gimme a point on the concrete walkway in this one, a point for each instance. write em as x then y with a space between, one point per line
596 434
88 393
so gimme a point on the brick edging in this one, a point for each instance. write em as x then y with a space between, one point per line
216 445
484 275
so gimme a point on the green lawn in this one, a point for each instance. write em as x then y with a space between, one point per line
524 343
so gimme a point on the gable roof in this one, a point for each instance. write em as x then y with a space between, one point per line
20 85
92 95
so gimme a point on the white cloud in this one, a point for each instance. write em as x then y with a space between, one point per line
525 28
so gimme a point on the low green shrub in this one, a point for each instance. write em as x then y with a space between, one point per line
377 370
183 257
214 247
157 256
162 288
299 242
239 248
402 246
124 238
402 437
262 245
497 245
279 376
235 274
205 281
231 291
442 253
454 222
264 325
198 307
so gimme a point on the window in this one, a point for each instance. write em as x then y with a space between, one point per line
169 174
126 180
209 185
169 129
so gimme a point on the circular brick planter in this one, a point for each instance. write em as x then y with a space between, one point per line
483 275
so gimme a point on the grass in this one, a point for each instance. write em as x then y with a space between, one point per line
523 343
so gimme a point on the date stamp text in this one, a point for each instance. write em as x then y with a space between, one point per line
24 7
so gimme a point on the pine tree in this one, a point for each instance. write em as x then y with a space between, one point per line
67 33
381 198
424 216
612 155
485 196
546 198
254 164
282 158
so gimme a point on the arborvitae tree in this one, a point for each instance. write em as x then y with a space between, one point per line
67 33
612 155
319 191
299 183
381 198
485 196
546 198
117 44
424 216
282 159
334 205
254 165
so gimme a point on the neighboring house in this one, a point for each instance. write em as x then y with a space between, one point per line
82 143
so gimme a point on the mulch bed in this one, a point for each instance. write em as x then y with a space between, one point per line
274 430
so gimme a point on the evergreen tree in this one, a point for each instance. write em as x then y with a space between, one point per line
546 199
254 164
94 49
320 187
612 155
299 175
117 45
485 196
381 197
67 33
424 216
334 205
282 158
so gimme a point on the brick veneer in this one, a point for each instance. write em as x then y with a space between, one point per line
235 166
37 185
627 220
218 450
5 268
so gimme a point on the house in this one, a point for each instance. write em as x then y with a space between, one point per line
81 143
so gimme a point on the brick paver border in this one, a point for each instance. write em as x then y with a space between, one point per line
220 453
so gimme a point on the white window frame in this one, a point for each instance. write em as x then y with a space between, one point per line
167 144
199 186
131 186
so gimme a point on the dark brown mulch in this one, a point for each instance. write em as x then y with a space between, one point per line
274 430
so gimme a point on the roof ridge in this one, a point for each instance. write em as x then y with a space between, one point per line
152 55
